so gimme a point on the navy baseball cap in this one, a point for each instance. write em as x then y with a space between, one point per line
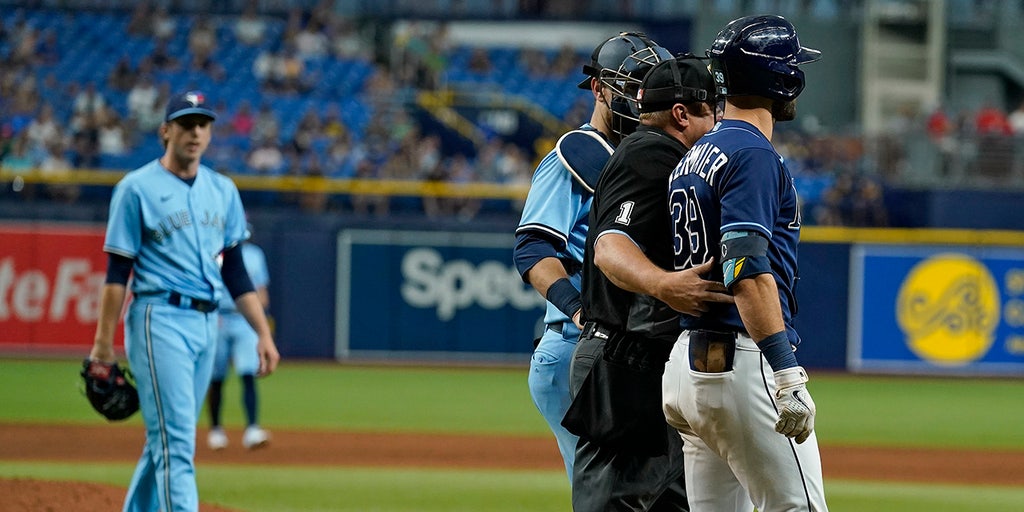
187 103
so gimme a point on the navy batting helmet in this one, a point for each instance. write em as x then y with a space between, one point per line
758 56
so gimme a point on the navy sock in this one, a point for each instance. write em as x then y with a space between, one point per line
249 398
213 399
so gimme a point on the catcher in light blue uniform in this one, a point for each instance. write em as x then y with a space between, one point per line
553 229
236 346
169 221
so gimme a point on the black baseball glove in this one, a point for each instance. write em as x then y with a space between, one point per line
109 389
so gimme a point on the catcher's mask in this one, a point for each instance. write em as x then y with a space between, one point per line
624 83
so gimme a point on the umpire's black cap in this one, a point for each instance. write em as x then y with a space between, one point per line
187 103
684 79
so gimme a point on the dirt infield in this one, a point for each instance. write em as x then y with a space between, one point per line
116 443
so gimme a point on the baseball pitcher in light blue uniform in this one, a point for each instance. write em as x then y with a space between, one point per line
552 231
169 220
236 346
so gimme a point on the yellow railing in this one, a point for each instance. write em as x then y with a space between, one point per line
300 184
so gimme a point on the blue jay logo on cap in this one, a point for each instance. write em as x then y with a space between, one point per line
191 102
195 98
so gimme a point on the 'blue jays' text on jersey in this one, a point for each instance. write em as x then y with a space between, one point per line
256 266
558 208
174 231
732 179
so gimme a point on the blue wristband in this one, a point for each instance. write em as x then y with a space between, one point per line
565 297
778 351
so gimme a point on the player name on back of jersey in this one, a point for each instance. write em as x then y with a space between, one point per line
704 160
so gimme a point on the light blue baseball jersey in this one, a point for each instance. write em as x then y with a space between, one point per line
559 207
174 231
256 265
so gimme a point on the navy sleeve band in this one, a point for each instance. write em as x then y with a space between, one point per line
565 297
236 279
778 351
531 248
119 268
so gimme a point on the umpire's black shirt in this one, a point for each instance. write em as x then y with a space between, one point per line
631 198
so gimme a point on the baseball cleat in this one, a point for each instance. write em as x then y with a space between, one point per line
255 437
217 439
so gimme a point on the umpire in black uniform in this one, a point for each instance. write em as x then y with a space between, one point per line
628 458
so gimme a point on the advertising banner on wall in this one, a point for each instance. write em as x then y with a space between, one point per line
50 280
937 310
425 294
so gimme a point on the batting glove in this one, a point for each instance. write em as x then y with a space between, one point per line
794 403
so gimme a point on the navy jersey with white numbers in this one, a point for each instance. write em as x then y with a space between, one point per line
734 180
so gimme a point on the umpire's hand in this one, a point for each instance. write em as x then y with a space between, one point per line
687 292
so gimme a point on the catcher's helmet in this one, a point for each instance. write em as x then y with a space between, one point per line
620 64
758 56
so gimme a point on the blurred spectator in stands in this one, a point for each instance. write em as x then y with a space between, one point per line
364 201
55 164
85 145
943 134
345 41
427 158
90 100
314 197
242 121
833 209
140 24
307 132
535 62
160 59
487 161
24 51
44 131
148 119
207 65
436 206
333 126
291 72
249 26
514 167
113 140
164 25
479 61
868 208
122 77
202 38
19 160
419 54
462 172
310 41
141 97
342 157
266 158
566 61
47 49
991 119
264 67
265 126
1016 120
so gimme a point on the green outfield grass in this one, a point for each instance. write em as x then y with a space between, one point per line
858 410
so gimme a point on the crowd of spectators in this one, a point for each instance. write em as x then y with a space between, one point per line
110 120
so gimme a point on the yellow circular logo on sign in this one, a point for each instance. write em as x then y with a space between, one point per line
948 308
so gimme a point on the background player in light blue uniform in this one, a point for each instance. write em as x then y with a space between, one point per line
553 228
236 346
169 221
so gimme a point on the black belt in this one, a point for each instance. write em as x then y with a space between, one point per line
204 306
592 330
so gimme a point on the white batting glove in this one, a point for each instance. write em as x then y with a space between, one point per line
796 408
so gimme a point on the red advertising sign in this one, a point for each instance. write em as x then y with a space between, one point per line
51 276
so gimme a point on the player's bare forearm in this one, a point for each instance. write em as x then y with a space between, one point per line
544 273
111 301
757 299
251 308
